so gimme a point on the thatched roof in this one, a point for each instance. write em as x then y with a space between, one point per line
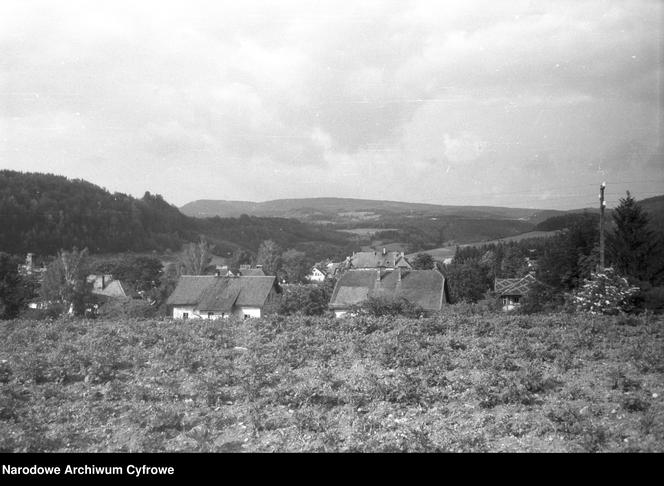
376 259
426 288
212 293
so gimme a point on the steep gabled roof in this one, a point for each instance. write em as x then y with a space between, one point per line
376 259
212 293
220 296
426 288
190 289
514 286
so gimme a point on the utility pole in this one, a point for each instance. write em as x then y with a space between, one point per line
602 205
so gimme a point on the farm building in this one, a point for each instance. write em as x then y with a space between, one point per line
425 288
214 297
375 259
107 286
511 290
317 274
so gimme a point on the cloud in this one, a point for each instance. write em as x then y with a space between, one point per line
455 94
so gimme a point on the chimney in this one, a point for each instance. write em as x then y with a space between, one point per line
28 261
398 274
384 251
378 274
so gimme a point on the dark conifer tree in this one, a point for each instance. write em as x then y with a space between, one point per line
632 245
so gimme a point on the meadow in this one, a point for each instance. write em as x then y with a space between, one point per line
462 381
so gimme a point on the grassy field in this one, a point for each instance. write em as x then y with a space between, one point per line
366 231
461 381
449 251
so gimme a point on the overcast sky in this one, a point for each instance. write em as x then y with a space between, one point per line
513 103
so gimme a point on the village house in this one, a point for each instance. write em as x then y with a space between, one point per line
511 290
383 259
215 297
105 285
317 274
425 288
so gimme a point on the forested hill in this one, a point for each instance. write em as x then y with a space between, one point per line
43 213
653 206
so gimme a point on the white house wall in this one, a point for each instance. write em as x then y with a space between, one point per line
179 311
239 312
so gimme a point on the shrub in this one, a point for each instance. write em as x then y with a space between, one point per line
126 309
386 306
652 300
541 298
605 293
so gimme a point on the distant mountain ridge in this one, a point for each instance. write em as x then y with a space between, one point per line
320 208
43 213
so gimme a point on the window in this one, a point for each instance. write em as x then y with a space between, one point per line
185 315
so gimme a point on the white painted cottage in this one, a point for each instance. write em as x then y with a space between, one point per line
317 275
215 297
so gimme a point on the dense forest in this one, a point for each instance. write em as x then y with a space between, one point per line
43 213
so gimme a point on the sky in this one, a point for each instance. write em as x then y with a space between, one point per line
508 103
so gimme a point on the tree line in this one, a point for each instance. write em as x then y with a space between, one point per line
568 260
44 213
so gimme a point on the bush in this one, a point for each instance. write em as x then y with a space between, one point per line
311 300
605 293
541 298
652 300
53 311
126 308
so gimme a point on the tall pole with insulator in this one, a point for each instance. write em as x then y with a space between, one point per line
602 205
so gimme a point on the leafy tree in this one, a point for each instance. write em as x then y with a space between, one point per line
514 263
423 261
468 281
195 258
65 282
269 256
295 266
632 246
310 300
143 272
167 283
14 289
240 257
